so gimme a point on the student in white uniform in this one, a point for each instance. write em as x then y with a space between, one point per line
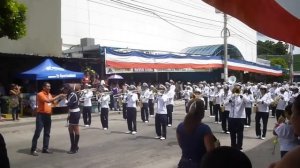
283 98
237 117
170 103
161 115
132 99
104 103
144 98
86 98
151 101
263 101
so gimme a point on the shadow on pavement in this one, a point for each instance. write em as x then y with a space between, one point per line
261 156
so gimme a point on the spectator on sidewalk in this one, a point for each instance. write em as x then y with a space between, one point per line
225 157
4 161
14 93
291 159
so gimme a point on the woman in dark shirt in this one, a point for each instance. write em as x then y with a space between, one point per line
194 137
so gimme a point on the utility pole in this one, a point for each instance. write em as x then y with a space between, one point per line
291 63
225 49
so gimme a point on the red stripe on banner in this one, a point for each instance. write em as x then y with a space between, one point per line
253 70
161 66
265 16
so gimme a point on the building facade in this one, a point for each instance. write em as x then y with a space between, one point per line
164 25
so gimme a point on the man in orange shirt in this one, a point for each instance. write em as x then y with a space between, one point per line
43 118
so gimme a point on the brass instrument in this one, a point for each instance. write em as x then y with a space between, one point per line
275 101
222 107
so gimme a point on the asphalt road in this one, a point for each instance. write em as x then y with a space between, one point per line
113 148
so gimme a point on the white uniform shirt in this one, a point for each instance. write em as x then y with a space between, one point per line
162 104
205 92
218 97
145 96
250 100
238 104
282 103
151 94
225 98
132 98
104 101
263 103
286 137
170 94
87 98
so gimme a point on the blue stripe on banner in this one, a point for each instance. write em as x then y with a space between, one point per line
159 56
254 64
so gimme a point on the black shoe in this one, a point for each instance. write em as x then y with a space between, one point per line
34 153
73 151
46 151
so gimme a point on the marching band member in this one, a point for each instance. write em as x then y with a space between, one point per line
151 101
217 105
282 100
188 90
237 117
144 98
161 114
170 103
226 95
74 116
132 99
86 98
124 103
205 93
293 95
273 92
104 103
211 100
248 108
263 102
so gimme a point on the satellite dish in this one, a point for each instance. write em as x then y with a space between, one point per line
231 79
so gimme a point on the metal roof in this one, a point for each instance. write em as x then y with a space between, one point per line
214 50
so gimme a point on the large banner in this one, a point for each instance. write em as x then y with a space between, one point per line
139 62
112 70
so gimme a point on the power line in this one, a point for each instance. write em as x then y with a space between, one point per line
153 16
165 20
153 10
177 12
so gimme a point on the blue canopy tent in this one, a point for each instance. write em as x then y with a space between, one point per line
48 70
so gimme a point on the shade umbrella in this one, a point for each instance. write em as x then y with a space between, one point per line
115 76
279 19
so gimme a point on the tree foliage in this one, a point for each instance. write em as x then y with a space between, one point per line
271 48
12 18
279 62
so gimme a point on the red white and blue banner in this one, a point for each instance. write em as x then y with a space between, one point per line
135 61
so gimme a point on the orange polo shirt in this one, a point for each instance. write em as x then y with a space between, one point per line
43 105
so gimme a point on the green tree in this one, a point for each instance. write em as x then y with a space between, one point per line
279 62
12 18
271 48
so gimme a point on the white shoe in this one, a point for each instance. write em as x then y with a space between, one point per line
212 116
263 138
146 121
151 115
128 132
157 137
162 138
216 122
169 125
104 128
258 137
133 132
227 132
246 126
87 125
